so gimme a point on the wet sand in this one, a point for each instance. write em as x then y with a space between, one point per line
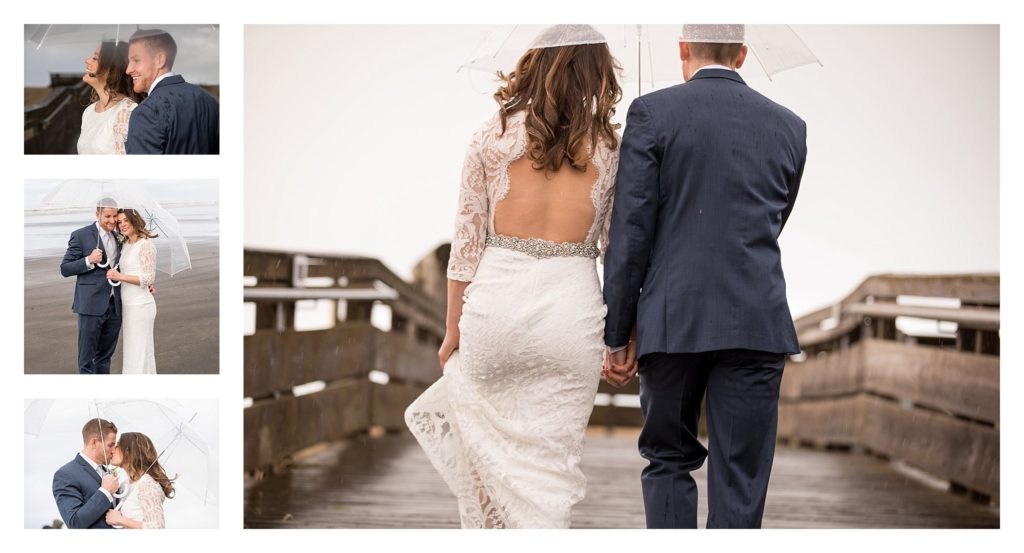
187 331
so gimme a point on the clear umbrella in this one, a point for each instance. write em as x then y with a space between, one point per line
648 54
53 34
171 249
182 450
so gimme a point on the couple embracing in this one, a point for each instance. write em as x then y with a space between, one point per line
114 271
140 106
685 210
113 482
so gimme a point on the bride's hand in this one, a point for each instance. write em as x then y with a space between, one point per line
449 345
114 517
113 274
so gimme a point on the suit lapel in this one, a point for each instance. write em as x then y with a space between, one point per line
88 469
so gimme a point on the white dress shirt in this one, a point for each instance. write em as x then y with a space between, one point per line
101 472
109 242
158 79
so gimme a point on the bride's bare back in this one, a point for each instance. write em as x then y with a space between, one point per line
555 206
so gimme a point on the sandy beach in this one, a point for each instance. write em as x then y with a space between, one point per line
187 321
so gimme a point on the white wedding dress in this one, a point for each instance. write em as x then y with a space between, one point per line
106 132
138 308
145 503
505 423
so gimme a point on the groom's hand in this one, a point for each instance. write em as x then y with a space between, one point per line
109 483
95 257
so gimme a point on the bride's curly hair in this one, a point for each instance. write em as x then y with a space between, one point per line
569 95
138 222
139 454
113 61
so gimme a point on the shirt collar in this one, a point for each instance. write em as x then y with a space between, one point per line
93 464
713 66
158 79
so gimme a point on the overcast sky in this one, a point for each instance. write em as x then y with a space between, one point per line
355 138
198 58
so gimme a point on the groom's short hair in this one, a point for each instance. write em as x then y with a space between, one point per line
106 203
94 427
719 52
159 40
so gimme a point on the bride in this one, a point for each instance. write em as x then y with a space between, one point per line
137 270
142 507
105 121
523 350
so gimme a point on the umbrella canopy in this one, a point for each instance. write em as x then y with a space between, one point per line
53 34
182 450
648 54
172 251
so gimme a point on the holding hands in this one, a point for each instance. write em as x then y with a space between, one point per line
115 518
620 367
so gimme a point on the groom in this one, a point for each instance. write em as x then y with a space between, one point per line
708 174
92 250
83 488
176 117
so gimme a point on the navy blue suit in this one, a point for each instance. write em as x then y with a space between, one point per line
708 174
176 118
76 489
99 311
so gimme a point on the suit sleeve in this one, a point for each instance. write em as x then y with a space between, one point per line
794 185
634 218
74 259
76 511
146 132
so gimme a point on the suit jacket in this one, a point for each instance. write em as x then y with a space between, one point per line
176 118
92 291
76 489
708 174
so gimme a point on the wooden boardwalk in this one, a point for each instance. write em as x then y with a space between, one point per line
387 482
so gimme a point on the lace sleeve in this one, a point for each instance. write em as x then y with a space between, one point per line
147 263
470 219
124 113
151 499
608 201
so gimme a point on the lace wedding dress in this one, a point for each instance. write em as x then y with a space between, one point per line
138 308
106 132
505 423
145 503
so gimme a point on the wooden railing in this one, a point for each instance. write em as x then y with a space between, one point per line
344 365
931 402
52 126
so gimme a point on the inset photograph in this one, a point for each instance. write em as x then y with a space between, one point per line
121 464
122 89
121 277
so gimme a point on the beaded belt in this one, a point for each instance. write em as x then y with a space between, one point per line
542 249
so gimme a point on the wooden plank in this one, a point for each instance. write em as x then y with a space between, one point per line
277 361
275 429
836 373
834 421
963 383
406 359
387 482
390 402
268 267
948 448
609 415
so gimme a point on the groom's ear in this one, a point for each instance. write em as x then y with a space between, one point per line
742 56
161 59
684 51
